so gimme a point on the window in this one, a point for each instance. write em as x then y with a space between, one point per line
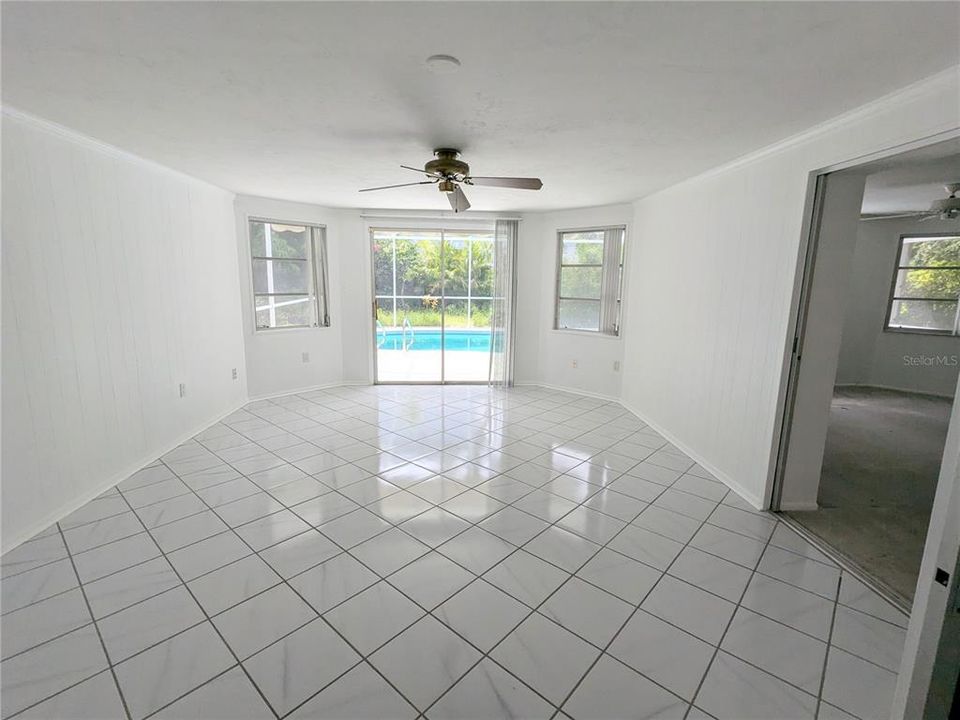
289 262
589 280
926 286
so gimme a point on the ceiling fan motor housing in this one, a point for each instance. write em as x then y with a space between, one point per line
447 164
948 208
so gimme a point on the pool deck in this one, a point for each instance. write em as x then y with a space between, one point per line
424 366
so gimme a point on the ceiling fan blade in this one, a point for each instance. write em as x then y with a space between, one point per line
507 182
421 171
894 216
458 201
387 187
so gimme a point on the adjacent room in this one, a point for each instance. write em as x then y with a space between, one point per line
896 370
382 360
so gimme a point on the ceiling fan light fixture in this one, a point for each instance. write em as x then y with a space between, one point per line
443 64
447 171
949 207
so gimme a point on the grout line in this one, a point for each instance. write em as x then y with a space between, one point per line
826 653
636 609
535 610
849 566
103 645
208 619
495 413
285 582
476 576
726 629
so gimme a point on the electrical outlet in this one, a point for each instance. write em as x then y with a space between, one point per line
234 374
305 357
183 389
616 366
573 364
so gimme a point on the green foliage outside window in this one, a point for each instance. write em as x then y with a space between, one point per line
931 282
928 284
427 272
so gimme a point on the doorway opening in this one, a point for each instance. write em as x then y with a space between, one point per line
878 335
868 457
433 303
880 346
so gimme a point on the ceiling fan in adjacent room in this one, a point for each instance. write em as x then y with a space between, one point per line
946 209
447 171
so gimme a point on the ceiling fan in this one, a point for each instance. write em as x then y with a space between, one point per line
447 171
946 209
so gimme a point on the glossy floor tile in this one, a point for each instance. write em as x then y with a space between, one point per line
435 552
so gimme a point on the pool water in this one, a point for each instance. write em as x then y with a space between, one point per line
469 340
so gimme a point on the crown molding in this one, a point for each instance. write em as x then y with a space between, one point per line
71 135
943 82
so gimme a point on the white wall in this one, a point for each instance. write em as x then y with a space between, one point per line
337 353
868 354
119 283
545 355
713 284
356 298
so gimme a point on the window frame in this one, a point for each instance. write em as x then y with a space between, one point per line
618 323
317 260
892 297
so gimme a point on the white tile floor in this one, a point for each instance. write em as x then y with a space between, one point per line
456 552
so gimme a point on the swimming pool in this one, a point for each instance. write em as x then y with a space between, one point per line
429 339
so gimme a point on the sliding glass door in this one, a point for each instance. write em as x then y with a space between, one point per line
468 288
433 291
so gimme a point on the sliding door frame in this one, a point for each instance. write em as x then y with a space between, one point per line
426 227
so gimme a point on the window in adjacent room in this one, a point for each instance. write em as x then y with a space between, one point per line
589 280
926 286
289 275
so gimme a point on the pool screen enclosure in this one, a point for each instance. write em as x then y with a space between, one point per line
435 295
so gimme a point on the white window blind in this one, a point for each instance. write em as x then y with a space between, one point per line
589 280
288 263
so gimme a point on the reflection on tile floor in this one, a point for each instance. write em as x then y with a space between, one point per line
438 552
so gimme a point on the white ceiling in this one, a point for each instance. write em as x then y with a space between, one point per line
605 102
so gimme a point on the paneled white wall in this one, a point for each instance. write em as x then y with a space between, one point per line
712 284
119 283
868 354
545 355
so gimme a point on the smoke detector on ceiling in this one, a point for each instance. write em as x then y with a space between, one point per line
442 64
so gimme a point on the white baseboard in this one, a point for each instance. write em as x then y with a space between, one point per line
309 388
750 497
894 388
77 503
575 391
798 506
